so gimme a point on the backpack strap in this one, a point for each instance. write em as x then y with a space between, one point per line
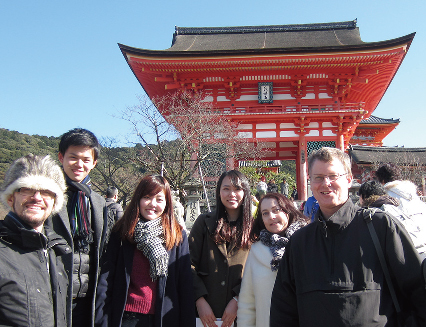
368 214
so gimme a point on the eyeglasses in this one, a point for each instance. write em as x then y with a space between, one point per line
45 194
331 178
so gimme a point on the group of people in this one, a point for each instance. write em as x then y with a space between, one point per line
263 188
274 269
52 239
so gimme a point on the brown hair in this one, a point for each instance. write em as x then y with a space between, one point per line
285 204
150 185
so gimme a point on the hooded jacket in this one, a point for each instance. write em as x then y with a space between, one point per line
406 193
390 205
33 281
330 274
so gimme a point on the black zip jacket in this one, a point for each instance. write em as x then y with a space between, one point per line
330 274
33 281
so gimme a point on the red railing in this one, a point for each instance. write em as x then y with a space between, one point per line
302 108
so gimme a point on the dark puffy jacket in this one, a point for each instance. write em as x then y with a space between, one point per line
80 280
61 225
29 296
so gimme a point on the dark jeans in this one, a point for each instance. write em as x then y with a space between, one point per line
82 312
134 319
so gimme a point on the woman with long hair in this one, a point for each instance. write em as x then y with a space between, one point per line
219 243
277 219
146 273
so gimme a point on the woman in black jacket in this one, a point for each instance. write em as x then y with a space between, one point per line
146 276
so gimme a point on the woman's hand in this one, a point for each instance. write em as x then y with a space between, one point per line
205 313
230 313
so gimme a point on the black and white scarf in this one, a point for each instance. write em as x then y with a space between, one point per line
149 238
277 243
79 213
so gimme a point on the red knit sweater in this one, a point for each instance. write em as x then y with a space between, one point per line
142 290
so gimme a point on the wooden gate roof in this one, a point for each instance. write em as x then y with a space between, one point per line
367 155
267 39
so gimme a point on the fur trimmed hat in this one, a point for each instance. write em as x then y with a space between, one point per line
35 172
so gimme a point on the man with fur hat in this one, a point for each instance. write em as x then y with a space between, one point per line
33 281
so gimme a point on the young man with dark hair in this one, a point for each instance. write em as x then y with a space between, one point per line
330 274
82 222
388 173
371 191
33 280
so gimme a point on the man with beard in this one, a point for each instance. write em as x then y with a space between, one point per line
33 281
82 222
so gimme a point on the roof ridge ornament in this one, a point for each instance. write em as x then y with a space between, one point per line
265 28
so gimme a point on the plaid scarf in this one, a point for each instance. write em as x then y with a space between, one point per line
78 211
149 238
277 243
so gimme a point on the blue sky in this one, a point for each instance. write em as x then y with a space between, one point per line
60 66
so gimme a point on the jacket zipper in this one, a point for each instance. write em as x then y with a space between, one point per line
332 253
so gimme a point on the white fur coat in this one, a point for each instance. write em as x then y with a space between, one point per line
254 301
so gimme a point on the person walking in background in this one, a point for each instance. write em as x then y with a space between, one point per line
373 194
146 276
272 187
33 280
403 190
311 207
276 221
330 274
219 243
82 222
178 209
111 201
284 188
261 188
294 194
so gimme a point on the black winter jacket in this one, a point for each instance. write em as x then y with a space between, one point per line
60 223
330 274
29 295
174 306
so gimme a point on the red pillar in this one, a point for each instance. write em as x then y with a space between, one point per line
340 142
302 177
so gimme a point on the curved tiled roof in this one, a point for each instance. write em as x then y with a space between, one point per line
296 38
370 155
376 120
265 37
